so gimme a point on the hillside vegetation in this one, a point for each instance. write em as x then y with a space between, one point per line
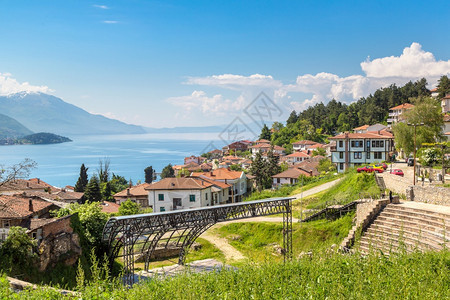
328 276
11 128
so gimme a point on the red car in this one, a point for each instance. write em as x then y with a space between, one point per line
368 169
397 172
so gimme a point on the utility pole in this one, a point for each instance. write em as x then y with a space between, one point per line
415 125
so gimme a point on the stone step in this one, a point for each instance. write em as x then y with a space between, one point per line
396 240
393 246
414 219
416 215
417 210
423 236
409 225
416 230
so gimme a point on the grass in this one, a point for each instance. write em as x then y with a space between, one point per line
326 275
320 181
259 241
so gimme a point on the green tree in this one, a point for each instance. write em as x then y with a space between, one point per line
258 169
107 191
265 133
167 172
272 166
103 170
82 181
443 86
427 111
293 117
149 174
128 208
92 221
92 192
319 151
325 165
18 249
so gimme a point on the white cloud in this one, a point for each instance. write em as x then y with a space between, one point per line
236 82
110 22
100 6
9 85
412 63
216 105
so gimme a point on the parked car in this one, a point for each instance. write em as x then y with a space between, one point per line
383 165
397 172
410 162
369 169
377 167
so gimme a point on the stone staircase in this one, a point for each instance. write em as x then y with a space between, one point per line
408 226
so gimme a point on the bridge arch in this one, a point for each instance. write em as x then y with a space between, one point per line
140 235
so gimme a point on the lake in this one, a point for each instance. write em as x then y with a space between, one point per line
129 155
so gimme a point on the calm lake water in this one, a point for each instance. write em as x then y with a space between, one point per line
129 155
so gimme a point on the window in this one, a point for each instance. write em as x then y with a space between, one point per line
161 197
357 155
377 155
341 144
357 144
341 166
191 198
162 208
368 155
206 196
34 235
6 223
341 155
379 144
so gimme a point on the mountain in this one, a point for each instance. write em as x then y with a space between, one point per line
45 113
10 128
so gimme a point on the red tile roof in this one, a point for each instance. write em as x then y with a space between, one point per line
402 106
434 90
367 135
18 206
184 183
364 127
137 190
292 173
109 207
446 96
298 154
222 174
304 142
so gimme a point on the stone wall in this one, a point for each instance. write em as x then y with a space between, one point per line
427 194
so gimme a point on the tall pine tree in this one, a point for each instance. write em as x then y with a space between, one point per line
293 117
82 181
265 133
259 170
92 192
149 174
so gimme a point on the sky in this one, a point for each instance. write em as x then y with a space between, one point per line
198 63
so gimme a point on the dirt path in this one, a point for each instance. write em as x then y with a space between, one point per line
222 244
317 189
232 253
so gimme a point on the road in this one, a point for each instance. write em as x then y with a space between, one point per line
317 189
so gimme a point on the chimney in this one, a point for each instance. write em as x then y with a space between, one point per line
39 181
128 192
30 204
211 173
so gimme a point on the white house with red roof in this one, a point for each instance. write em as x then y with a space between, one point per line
354 149
396 113
303 145
237 180
264 148
297 157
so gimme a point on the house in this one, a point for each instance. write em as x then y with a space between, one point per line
136 193
264 148
19 210
434 92
262 141
236 179
446 127
62 197
194 159
236 146
18 186
215 154
354 149
445 104
360 129
179 193
220 190
290 176
296 157
396 114
111 207
302 145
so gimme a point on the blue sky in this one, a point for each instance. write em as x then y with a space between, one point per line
195 63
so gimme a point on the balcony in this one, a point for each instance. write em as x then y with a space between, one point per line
391 120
